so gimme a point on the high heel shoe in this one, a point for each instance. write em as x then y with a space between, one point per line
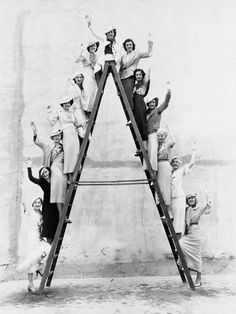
198 284
31 289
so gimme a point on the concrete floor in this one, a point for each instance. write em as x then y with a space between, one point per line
136 295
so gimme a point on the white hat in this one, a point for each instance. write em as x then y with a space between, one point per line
66 99
109 28
55 132
151 97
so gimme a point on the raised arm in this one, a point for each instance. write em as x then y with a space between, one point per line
89 22
196 214
149 51
36 139
171 136
80 57
29 170
193 157
53 117
165 103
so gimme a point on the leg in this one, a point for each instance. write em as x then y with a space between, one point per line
198 279
31 287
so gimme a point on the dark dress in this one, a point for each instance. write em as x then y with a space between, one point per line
49 210
140 91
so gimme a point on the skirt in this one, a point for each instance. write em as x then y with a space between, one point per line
128 84
152 149
178 206
58 183
50 220
164 180
71 148
190 245
140 115
35 258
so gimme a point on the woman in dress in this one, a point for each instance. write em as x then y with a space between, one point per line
88 58
37 249
80 101
190 241
49 210
129 63
111 47
140 91
177 193
51 154
69 125
154 113
165 144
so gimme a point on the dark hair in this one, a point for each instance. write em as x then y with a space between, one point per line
194 203
156 101
38 198
40 172
128 40
71 101
111 30
97 45
139 70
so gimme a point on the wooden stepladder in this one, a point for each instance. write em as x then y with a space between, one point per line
151 179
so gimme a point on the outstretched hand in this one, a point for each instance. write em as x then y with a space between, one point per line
33 127
194 148
88 19
28 162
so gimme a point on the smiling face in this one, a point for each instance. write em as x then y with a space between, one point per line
45 173
191 201
66 105
37 204
176 163
129 46
152 104
79 79
138 76
110 35
56 138
160 137
92 48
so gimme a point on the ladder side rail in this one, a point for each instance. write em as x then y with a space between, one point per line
150 170
71 189
125 101
56 239
59 242
91 122
174 238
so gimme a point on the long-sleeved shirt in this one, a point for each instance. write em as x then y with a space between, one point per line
129 62
154 117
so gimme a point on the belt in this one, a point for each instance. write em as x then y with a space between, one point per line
193 223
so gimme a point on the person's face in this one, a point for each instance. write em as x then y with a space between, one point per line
37 204
160 137
139 76
45 173
57 138
79 79
93 48
129 46
175 164
152 104
191 201
110 35
66 106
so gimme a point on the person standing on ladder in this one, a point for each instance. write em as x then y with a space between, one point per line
129 63
111 46
190 242
178 203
